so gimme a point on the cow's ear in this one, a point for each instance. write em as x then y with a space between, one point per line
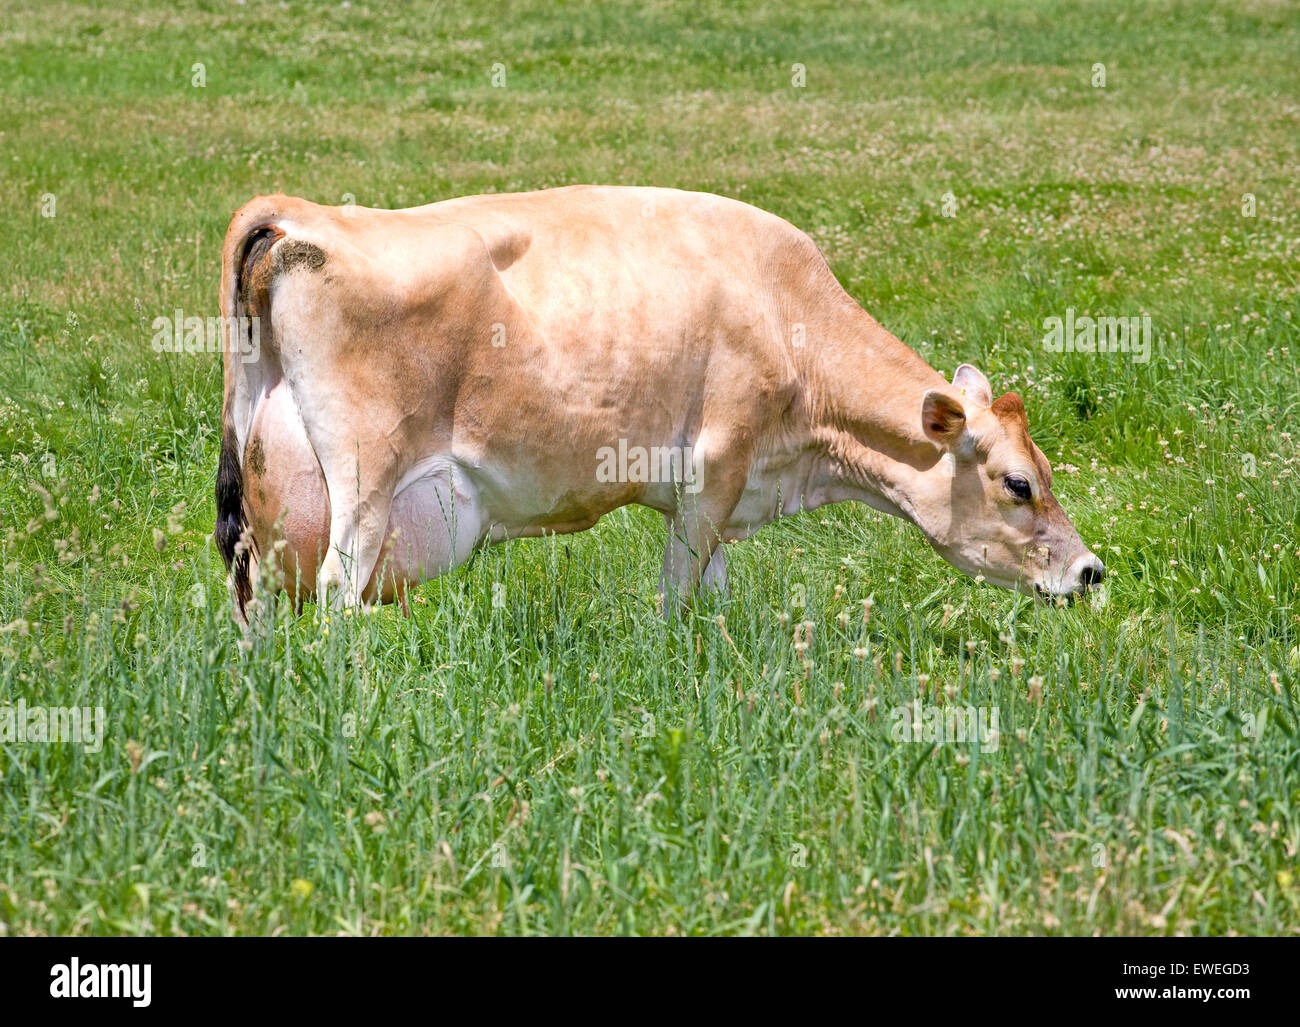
942 417
969 380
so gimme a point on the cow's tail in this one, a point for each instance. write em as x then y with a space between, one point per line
245 279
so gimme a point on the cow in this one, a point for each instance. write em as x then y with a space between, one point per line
433 379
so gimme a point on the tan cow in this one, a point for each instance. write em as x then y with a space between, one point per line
499 366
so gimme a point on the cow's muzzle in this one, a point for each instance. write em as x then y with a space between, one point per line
1084 573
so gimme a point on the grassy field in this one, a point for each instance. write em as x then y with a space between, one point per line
535 751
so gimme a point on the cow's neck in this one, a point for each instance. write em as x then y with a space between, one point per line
863 391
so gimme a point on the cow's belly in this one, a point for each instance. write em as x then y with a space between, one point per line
534 500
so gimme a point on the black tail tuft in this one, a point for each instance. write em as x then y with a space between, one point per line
231 520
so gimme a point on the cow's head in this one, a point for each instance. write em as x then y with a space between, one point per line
990 510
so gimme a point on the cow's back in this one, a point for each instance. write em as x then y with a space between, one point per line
626 265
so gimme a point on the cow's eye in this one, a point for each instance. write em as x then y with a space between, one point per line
1018 486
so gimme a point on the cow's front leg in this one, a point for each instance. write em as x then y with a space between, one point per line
714 578
694 556
694 544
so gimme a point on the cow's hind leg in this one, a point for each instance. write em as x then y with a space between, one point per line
285 496
361 498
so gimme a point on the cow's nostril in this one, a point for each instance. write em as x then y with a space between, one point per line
1092 574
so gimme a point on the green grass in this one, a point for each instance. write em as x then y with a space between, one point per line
535 750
